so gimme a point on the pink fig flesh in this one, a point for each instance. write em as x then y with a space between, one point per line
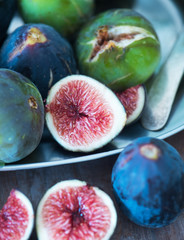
75 210
82 114
78 103
16 217
133 100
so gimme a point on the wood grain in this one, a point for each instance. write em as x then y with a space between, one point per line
34 183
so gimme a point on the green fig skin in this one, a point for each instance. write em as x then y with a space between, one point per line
21 116
66 16
119 67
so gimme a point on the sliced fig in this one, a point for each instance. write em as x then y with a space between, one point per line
82 114
16 217
75 210
133 100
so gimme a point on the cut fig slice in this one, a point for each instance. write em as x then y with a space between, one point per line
83 114
133 100
16 217
75 210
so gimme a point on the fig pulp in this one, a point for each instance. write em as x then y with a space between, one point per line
21 116
133 100
16 217
148 182
82 114
75 210
119 48
65 16
38 52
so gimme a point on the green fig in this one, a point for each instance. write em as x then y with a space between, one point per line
119 47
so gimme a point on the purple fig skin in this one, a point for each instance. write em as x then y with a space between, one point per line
38 52
148 182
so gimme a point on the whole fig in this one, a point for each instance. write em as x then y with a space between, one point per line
21 116
148 182
119 48
66 16
40 53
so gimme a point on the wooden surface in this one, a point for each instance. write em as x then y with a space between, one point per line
34 183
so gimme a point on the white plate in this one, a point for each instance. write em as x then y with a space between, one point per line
167 21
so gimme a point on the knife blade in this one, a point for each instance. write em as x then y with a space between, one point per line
161 93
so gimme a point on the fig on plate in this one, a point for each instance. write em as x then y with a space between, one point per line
82 114
119 48
7 10
21 116
65 16
75 210
38 52
133 100
16 217
148 182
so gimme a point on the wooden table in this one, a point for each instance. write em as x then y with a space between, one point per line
34 183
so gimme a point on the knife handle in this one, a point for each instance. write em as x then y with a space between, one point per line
161 93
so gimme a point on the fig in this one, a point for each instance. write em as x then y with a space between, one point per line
119 47
16 217
38 52
133 100
75 210
82 114
7 11
65 16
148 182
21 116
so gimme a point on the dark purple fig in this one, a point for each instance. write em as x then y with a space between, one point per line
39 53
148 182
21 116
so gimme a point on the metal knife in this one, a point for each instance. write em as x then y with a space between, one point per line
161 93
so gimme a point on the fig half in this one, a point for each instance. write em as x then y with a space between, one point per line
133 100
75 210
82 114
16 217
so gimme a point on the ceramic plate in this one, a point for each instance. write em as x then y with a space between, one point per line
167 20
